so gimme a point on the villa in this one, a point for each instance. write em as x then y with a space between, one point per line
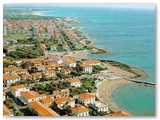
99 106
86 98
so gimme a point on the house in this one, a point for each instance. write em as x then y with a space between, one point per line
68 61
10 70
55 59
120 113
87 68
91 62
21 71
30 96
36 75
80 111
50 73
74 82
60 102
61 93
50 67
6 111
26 76
41 110
66 70
48 101
100 107
40 67
86 98
9 79
15 90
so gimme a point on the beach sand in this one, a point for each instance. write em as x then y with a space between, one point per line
106 88
79 54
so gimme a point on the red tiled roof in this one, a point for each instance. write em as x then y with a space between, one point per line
41 109
80 109
86 95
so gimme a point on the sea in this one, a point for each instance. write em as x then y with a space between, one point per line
128 32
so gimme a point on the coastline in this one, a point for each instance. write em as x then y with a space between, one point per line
104 94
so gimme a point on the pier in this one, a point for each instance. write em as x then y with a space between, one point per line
141 82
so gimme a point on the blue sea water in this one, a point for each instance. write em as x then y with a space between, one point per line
129 33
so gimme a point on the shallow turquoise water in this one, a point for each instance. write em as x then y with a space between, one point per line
130 35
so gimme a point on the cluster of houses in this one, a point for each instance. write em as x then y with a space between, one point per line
40 104
44 66
40 28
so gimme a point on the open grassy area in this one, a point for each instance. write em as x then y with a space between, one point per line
14 37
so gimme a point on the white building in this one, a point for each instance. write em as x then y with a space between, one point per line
87 68
74 82
86 98
9 79
80 111
99 106
69 62
30 96
60 102
15 90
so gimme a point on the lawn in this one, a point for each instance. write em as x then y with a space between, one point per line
15 37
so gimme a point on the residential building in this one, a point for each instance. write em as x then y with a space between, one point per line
68 61
87 68
61 93
26 76
80 111
74 82
61 102
36 75
50 73
30 96
9 79
86 98
48 101
100 107
15 90
41 110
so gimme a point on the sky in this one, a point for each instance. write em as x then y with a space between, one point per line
136 6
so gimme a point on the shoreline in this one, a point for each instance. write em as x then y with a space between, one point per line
104 94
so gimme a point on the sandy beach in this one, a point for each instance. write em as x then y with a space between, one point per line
79 54
106 88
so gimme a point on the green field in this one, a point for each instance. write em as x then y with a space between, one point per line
14 37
